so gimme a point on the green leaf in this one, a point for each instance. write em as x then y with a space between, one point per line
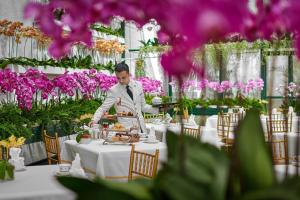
255 159
104 189
205 171
9 171
6 170
289 189
2 169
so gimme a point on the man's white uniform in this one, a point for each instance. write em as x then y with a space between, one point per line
136 106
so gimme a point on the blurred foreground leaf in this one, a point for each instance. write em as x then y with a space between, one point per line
205 175
256 168
104 189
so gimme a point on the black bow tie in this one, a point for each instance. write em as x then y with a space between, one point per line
129 92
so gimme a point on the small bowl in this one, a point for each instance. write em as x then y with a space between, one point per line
65 167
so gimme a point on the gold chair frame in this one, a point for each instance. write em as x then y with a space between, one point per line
52 147
148 117
193 132
143 164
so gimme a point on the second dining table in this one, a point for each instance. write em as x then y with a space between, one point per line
110 161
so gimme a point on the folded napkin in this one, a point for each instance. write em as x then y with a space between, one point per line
76 169
192 121
168 118
152 136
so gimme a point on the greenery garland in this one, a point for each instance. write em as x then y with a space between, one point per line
108 30
213 50
67 62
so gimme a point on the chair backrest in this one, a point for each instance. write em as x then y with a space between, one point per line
223 126
279 149
277 126
4 153
287 117
149 117
142 164
193 132
52 148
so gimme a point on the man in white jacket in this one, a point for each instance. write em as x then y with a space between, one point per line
126 96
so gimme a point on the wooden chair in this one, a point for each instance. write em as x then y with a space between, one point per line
52 148
4 153
227 124
279 148
149 117
277 124
1 153
142 164
223 125
193 132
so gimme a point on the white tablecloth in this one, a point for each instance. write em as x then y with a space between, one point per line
208 135
280 171
34 152
212 122
36 182
108 161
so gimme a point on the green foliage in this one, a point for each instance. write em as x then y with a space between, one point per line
66 62
152 46
255 161
12 122
57 117
6 170
104 189
218 52
108 30
205 171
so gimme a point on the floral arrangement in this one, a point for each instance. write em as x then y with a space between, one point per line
225 86
150 86
17 30
12 141
108 47
291 92
10 28
34 86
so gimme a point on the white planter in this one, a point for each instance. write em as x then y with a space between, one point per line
212 106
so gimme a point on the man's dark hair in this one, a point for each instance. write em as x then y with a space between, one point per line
121 67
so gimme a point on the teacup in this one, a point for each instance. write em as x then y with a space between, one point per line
65 167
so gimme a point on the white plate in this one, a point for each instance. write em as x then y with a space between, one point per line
151 141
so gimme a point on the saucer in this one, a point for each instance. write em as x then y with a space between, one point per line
151 141
59 173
